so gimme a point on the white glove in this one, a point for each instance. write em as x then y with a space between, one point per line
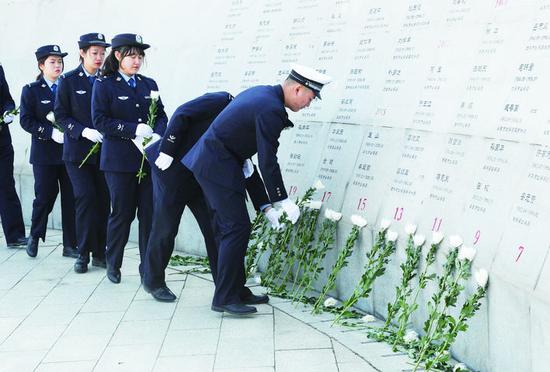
248 168
272 216
57 135
291 209
143 130
164 161
8 118
92 134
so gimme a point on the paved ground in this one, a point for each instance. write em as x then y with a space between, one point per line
52 319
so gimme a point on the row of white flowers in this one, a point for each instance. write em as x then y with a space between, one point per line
298 256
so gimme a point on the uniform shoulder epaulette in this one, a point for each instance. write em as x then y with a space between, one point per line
143 77
103 78
34 84
69 73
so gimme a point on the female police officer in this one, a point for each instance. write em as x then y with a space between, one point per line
73 111
120 104
37 101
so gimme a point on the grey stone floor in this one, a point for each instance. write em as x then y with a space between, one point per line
52 319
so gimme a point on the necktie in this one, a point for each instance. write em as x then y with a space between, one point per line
132 82
54 88
91 79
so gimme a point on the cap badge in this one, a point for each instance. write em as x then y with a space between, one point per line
139 39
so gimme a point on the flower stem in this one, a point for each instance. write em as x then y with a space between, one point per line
93 150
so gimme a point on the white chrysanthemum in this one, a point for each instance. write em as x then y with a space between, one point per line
333 215
155 94
330 302
260 245
410 336
391 236
318 185
460 367
51 117
481 276
358 220
385 224
455 241
419 240
368 318
437 237
410 229
466 253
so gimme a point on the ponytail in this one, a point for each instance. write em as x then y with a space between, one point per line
111 65
41 61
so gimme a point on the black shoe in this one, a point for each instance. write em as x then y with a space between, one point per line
99 262
253 299
32 247
21 242
162 294
114 275
235 309
81 265
70 252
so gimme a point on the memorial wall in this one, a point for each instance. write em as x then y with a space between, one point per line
437 116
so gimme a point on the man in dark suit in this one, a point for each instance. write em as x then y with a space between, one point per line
174 188
10 206
251 124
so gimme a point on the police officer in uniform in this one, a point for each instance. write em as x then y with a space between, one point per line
120 104
174 188
10 206
251 124
50 175
73 112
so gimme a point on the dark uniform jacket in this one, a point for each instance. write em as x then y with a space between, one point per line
6 104
37 100
117 109
188 123
73 113
251 124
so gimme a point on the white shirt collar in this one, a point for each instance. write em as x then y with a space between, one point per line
50 83
126 77
88 74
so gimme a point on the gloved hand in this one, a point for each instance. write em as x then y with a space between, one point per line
272 216
57 136
143 130
164 161
291 209
8 118
92 134
248 168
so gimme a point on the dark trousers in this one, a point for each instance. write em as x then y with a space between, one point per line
48 180
173 190
10 206
232 224
127 196
92 208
